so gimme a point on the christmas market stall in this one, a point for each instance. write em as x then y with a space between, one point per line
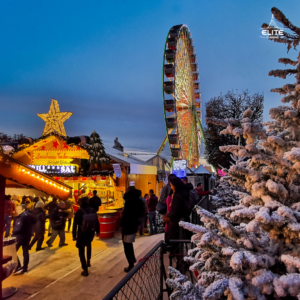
153 159
13 171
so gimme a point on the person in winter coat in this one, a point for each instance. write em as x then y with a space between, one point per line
70 211
35 201
152 212
133 211
15 199
23 231
95 201
58 220
193 196
166 190
28 203
18 204
39 228
188 184
9 210
143 219
179 208
50 207
23 199
200 191
82 195
76 195
84 239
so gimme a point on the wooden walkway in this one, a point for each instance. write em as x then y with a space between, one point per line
54 274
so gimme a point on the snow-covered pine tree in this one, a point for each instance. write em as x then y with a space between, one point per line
226 194
227 191
96 150
259 258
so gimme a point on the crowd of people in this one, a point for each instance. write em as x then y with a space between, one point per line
177 199
29 216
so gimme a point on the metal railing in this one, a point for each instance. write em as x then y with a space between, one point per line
145 281
178 250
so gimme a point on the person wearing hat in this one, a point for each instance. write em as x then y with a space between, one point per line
39 227
23 231
58 220
70 211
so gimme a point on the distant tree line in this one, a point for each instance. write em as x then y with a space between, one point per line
230 105
5 138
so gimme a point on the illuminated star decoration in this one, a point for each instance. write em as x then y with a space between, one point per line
55 119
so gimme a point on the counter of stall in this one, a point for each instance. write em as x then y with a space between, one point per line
112 203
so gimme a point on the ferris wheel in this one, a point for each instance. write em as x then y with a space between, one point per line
182 97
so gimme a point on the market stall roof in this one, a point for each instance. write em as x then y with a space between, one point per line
124 158
201 170
37 145
209 169
152 159
189 170
143 157
20 173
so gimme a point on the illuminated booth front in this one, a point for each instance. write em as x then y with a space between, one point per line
13 171
52 155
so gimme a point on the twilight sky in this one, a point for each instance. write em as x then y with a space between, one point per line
102 60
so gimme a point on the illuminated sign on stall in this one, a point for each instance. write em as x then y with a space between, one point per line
55 169
56 157
179 168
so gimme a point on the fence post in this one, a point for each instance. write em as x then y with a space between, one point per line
162 271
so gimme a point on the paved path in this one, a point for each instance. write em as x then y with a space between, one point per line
54 273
